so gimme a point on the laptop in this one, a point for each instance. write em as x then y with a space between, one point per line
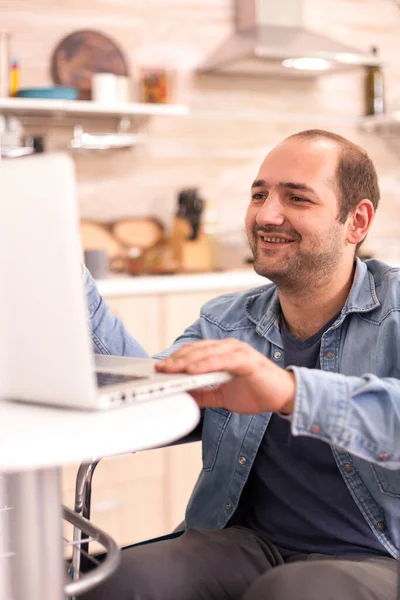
46 354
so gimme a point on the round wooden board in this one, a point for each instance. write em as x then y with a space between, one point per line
81 54
138 232
95 236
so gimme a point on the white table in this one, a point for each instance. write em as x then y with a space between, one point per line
34 442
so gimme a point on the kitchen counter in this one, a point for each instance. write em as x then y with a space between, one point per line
124 285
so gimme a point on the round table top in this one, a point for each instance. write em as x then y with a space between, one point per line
34 436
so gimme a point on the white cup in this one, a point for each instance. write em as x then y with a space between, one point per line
105 88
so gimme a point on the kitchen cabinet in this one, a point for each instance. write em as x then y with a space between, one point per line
157 320
144 495
142 317
181 310
130 499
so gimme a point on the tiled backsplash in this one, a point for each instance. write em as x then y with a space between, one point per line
221 152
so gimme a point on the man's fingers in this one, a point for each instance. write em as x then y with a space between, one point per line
205 346
202 356
208 360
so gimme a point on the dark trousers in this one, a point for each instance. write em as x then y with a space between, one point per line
235 563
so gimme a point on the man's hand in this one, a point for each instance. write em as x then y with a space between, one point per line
258 385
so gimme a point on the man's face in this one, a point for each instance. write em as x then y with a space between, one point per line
292 219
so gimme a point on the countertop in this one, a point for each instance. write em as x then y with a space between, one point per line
235 279
123 285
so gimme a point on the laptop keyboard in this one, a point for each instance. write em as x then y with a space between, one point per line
113 378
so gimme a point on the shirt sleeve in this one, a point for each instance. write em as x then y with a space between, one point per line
109 335
360 415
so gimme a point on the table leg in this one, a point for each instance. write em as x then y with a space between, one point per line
36 535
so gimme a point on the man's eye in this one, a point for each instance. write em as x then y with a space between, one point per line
258 196
299 199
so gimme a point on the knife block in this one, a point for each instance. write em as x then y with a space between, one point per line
193 256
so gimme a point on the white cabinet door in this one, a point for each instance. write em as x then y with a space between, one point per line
141 316
181 310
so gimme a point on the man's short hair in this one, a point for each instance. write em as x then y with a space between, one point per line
355 175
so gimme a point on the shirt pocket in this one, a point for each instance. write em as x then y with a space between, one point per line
387 480
215 422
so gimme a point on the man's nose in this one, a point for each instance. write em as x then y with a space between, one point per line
271 212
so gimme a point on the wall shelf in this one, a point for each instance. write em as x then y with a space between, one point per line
31 107
63 109
73 113
384 125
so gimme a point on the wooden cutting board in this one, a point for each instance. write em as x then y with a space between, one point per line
142 233
95 236
81 54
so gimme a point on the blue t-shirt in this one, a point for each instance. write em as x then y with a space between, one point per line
295 495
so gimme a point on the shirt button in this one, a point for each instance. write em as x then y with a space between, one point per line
315 428
242 460
383 456
381 526
330 354
277 354
348 468
228 505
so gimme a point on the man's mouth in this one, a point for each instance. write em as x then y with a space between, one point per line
274 239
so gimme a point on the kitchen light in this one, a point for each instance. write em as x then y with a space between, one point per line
307 64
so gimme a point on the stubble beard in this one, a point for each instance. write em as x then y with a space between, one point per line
304 270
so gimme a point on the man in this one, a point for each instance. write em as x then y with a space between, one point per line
299 496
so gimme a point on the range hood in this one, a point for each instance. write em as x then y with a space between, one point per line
270 39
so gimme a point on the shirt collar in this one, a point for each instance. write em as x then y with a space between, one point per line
263 309
362 296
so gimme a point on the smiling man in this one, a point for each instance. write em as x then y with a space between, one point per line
296 223
299 496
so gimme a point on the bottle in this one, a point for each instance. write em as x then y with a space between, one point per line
4 64
14 77
374 88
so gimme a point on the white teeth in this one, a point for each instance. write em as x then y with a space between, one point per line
275 240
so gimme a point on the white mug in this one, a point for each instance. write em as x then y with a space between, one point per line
105 88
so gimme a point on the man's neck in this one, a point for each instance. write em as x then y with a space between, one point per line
307 312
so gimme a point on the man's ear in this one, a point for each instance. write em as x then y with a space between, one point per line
360 221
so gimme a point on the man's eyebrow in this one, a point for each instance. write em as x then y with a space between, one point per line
291 185
294 185
258 183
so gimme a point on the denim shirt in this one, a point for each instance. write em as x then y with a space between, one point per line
352 403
